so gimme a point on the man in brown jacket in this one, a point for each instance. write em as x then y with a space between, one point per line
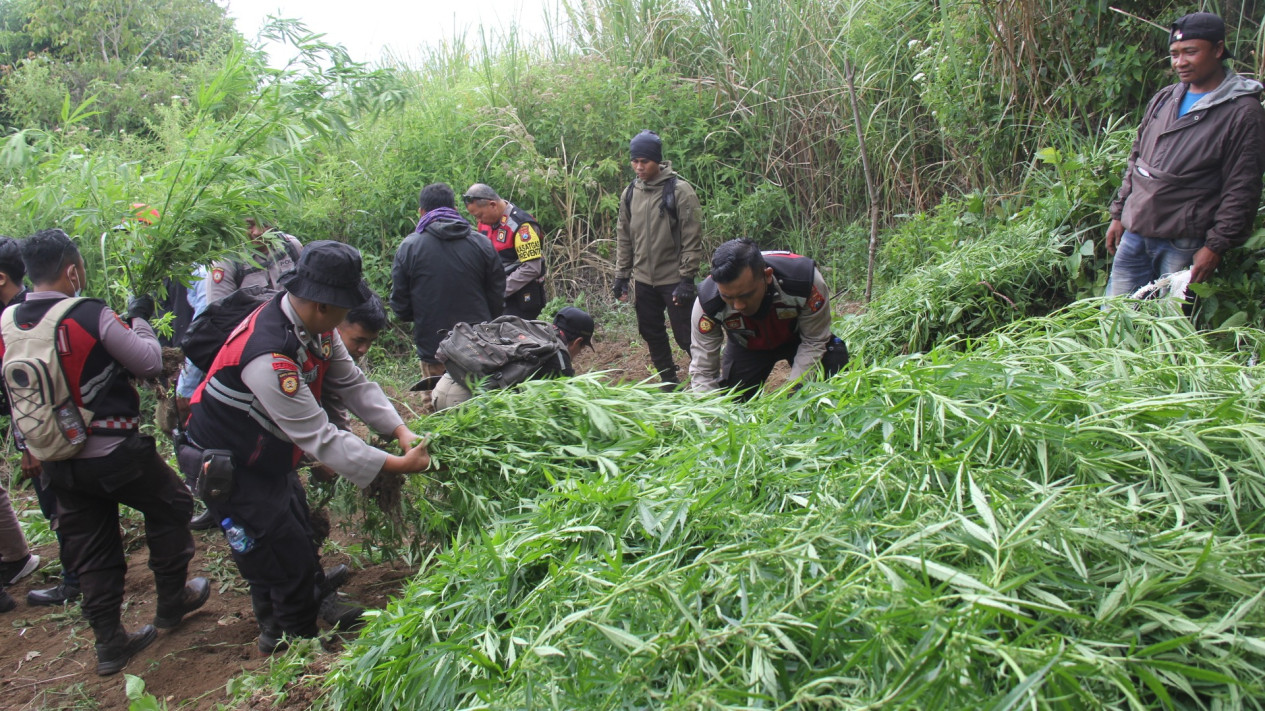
659 247
1193 181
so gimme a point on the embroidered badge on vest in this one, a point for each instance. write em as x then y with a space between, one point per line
816 300
787 314
734 323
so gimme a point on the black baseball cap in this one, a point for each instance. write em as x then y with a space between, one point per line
576 323
1199 25
328 272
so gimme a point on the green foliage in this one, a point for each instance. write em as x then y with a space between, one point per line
273 682
241 145
1033 519
137 699
133 30
129 99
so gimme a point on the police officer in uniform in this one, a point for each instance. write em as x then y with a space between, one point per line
261 403
117 465
515 236
773 306
265 267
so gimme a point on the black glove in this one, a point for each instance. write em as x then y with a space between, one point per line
140 306
620 290
684 293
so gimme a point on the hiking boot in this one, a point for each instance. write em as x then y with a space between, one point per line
7 602
59 595
119 646
341 614
271 641
204 521
335 578
14 571
173 609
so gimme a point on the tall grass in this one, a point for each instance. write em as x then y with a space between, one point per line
1065 514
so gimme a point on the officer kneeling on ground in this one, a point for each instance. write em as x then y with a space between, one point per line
773 306
571 331
259 410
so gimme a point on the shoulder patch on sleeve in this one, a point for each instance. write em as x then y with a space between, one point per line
527 243
217 275
281 361
705 324
816 300
289 382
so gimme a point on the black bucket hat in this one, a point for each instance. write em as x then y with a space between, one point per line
328 272
1199 25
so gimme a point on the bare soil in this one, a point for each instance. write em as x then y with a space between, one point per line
47 657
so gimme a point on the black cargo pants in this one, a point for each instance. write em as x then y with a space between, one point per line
89 492
651 301
284 566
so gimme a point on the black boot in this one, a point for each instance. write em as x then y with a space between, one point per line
335 577
341 613
204 521
115 646
59 595
270 638
176 602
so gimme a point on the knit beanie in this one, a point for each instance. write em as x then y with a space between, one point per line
647 145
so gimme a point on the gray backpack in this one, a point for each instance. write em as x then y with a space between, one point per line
503 352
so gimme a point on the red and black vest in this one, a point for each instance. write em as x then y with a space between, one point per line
224 413
98 381
777 321
505 242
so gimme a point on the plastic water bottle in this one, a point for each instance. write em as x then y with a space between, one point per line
238 540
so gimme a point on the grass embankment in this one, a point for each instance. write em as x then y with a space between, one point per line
1066 512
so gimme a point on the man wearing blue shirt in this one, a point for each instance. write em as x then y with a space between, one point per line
1193 180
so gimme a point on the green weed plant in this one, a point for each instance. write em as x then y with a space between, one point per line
1065 513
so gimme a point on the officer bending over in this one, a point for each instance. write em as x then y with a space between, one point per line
259 410
773 306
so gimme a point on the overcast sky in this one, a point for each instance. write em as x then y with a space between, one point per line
367 27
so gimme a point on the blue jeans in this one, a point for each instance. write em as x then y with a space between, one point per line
1141 260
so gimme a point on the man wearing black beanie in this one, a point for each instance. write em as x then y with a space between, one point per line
659 248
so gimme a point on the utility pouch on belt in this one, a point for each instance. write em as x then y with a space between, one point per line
215 480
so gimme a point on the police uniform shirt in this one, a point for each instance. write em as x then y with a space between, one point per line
275 382
229 275
527 248
709 337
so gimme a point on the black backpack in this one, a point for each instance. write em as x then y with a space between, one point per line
503 352
205 337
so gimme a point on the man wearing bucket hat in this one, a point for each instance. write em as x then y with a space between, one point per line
259 410
659 247
1193 180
